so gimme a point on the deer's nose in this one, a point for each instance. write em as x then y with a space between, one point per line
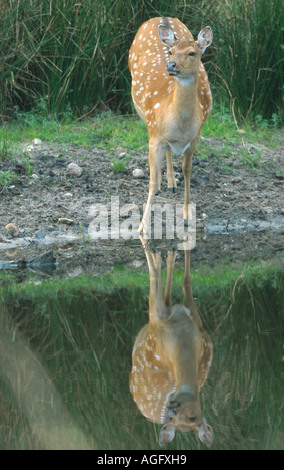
171 66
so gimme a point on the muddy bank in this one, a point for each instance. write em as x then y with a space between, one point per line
240 210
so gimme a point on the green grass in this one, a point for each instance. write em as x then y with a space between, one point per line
106 130
206 279
122 132
119 166
221 125
6 178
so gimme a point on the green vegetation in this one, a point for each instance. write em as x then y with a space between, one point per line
6 178
250 56
106 130
71 57
126 132
4 146
205 279
118 166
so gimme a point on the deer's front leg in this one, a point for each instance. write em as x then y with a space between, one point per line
172 184
156 153
170 270
188 299
186 169
186 285
157 307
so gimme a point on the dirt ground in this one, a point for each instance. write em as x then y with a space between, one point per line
240 210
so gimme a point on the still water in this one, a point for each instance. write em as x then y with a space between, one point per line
66 346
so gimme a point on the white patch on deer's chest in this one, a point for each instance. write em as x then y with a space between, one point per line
181 131
178 147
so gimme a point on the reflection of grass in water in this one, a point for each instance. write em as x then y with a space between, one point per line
245 387
85 342
84 338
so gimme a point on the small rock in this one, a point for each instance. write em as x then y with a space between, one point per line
236 180
74 272
35 176
74 169
137 173
68 195
65 220
36 142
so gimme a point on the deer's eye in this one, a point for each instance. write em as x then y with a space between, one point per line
191 53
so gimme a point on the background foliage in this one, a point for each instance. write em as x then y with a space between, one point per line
70 55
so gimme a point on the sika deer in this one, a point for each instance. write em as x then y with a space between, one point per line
171 357
171 94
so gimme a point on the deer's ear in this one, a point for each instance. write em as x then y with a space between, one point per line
167 434
205 38
167 36
205 433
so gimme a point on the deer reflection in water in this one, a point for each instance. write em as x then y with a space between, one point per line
171 356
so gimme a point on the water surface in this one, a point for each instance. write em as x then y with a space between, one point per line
66 339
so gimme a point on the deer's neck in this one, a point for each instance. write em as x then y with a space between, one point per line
186 369
185 95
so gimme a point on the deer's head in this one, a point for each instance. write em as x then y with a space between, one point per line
184 414
184 54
